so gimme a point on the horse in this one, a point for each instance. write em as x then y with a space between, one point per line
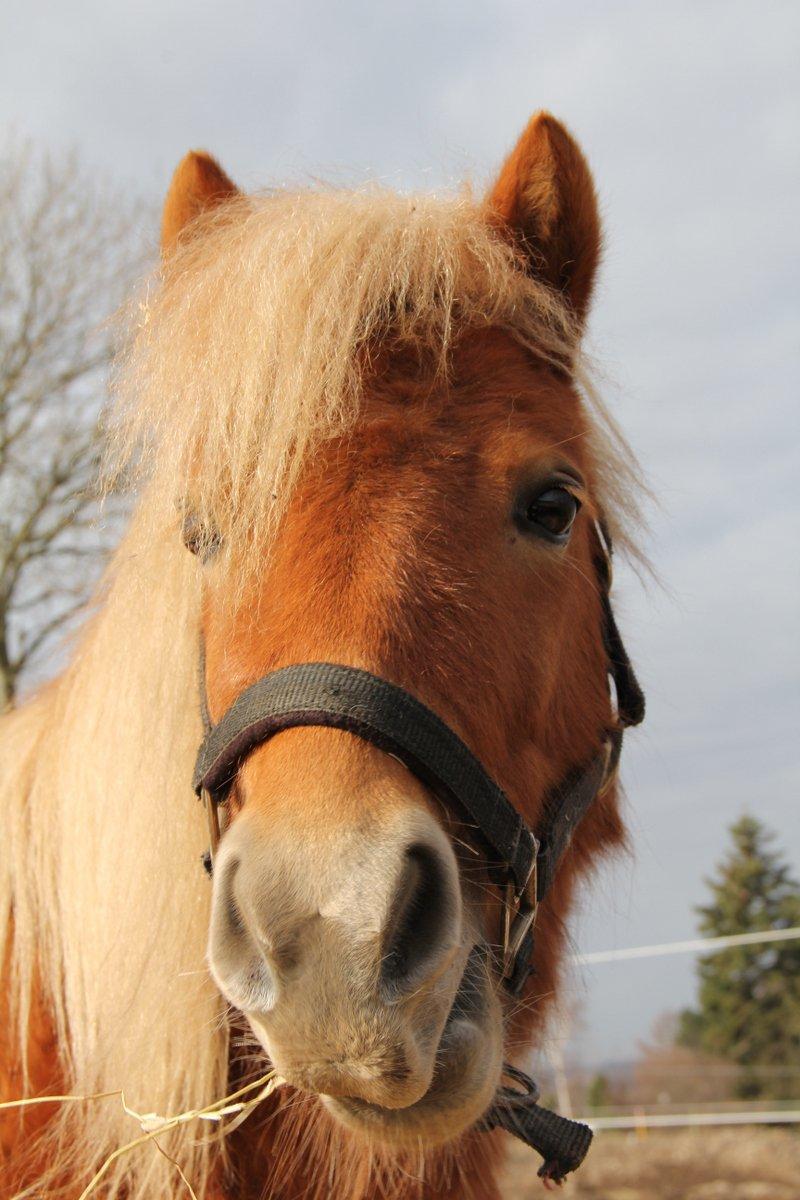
363 432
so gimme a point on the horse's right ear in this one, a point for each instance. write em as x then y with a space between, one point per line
199 183
544 200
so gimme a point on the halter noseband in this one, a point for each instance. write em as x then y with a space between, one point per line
519 861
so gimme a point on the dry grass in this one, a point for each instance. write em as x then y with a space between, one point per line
748 1163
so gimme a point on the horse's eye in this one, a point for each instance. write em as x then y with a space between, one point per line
197 538
552 513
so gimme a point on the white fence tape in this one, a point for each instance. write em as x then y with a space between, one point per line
672 1120
702 944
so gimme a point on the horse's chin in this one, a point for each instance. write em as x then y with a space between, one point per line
464 1083
467 1073
465 1079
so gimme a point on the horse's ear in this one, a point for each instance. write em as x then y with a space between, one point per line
199 183
544 198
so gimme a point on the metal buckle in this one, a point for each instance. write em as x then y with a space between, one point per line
519 917
610 770
212 817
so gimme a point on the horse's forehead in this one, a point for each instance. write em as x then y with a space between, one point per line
495 394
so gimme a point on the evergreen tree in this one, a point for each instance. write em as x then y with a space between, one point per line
597 1093
749 996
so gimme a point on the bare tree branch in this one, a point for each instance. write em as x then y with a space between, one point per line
30 644
69 249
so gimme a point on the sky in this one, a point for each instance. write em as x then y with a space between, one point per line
689 114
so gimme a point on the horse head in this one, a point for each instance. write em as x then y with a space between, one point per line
445 537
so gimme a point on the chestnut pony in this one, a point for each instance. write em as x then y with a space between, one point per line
367 415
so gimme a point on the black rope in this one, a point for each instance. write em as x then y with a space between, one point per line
562 1143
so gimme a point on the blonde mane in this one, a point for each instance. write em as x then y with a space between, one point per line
249 353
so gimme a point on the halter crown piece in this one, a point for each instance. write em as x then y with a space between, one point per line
522 863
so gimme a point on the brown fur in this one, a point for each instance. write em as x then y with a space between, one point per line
394 551
545 196
198 185
20 1128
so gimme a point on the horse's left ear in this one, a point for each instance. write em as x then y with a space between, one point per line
199 183
545 198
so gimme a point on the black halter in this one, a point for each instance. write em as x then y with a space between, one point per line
521 862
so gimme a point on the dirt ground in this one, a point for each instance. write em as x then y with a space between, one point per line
748 1163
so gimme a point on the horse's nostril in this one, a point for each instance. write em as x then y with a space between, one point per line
420 920
236 956
228 905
